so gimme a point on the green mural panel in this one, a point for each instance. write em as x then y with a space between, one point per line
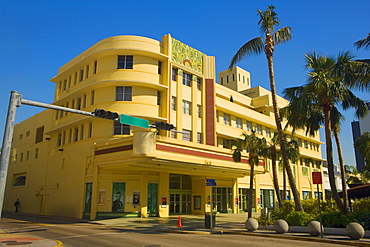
187 56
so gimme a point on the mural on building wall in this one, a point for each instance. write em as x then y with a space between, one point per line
187 56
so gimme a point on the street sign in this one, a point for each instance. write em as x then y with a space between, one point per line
210 182
134 121
316 178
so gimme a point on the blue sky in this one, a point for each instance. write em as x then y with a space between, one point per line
38 37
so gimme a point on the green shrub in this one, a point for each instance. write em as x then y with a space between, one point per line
310 206
336 219
264 220
362 218
296 218
361 205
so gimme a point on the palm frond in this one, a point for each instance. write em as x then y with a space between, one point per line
365 42
283 35
252 47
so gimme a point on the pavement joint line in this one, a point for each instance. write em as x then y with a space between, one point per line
314 239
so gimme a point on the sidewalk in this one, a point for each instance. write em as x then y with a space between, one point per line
194 224
228 224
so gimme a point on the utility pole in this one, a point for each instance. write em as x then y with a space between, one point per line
15 101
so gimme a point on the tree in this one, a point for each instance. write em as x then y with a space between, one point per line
255 147
275 155
365 42
268 22
316 101
355 177
362 144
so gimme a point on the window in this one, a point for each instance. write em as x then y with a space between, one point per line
69 81
249 126
173 134
174 73
92 100
87 72
59 139
75 138
36 153
82 133
121 129
259 129
222 81
199 83
239 123
186 107
39 134
64 85
199 111
173 103
95 67
226 119
78 106
268 132
20 136
123 93
84 101
19 181
305 144
226 143
233 77
227 79
70 136
89 133
158 98
186 79
186 136
81 74
27 134
76 76
28 155
199 137
21 157
217 117
159 68
125 62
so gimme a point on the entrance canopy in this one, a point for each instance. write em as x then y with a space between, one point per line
358 192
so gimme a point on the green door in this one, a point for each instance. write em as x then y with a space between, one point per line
88 195
153 199
118 196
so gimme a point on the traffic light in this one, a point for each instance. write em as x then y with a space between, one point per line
164 126
105 114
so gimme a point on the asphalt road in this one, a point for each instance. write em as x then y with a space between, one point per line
78 234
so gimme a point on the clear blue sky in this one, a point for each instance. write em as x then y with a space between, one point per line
38 37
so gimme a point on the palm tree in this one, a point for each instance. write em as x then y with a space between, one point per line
275 155
256 147
326 87
362 144
355 177
268 22
365 42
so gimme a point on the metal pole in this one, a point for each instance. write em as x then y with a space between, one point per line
320 216
15 101
210 199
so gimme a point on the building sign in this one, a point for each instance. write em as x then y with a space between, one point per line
187 56
316 178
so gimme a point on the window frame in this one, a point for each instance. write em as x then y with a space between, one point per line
125 62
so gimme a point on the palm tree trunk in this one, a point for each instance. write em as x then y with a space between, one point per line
251 179
293 187
275 176
329 159
284 183
342 171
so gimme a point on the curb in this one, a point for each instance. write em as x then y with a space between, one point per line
314 239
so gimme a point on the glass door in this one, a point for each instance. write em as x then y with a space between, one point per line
174 203
88 195
118 196
153 199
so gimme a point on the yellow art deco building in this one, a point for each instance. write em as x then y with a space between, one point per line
86 167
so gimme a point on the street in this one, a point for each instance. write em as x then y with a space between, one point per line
78 234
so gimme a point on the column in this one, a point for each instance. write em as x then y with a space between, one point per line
144 194
95 193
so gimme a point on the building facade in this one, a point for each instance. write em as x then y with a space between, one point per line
79 166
